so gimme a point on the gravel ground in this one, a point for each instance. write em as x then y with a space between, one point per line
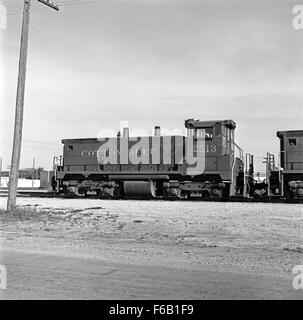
254 239
259 238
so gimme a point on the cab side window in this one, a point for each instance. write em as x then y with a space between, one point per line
209 133
292 142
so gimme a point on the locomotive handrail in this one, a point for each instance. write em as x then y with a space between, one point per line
239 149
57 163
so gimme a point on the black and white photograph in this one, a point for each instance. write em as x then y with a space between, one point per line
151 150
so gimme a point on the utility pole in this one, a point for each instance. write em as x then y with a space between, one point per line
15 161
33 173
0 170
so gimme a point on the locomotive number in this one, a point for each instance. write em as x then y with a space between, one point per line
206 148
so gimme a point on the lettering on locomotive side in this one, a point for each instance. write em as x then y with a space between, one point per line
135 151
151 151
297 21
97 153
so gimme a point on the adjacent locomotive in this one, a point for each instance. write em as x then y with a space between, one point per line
205 163
291 160
286 180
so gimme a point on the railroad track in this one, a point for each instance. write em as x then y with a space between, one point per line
28 193
42 193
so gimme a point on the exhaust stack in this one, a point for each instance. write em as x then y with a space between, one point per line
157 131
125 132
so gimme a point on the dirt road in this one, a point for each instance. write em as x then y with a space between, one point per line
39 276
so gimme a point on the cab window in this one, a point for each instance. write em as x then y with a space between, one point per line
292 142
209 133
200 133
205 132
223 131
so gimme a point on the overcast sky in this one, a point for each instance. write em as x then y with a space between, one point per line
152 63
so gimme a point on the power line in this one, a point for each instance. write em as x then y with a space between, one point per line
11 10
18 9
40 142
33 147
15 10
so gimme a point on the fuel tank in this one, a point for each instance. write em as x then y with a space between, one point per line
139 189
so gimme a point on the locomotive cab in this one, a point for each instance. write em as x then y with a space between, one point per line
223 157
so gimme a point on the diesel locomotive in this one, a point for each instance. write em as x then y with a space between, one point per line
205 163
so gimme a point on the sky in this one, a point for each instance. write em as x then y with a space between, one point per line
151 62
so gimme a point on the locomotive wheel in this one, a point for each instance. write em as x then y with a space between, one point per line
205 194
225 192
288 194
